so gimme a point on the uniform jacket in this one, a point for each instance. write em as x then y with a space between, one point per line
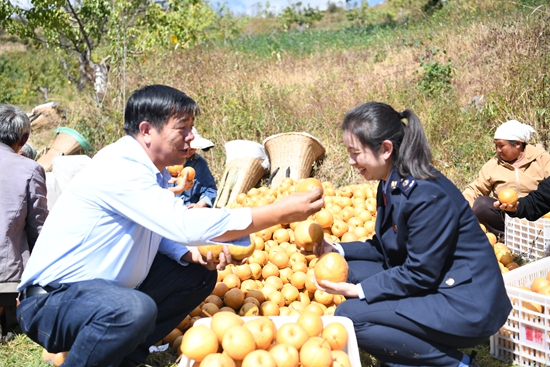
440 265
205 185
496 175
23 210
536 204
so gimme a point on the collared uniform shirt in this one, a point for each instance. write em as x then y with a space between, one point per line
114 216
439 265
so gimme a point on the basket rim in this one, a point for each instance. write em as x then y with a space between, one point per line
303 133
75 135
275 143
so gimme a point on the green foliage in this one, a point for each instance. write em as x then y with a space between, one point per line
123 35
308 42
99 128
76 26
24 74
431 6
296 14
364 15
408 4
405 42
360 15
124 27
177 23
436 77
226 26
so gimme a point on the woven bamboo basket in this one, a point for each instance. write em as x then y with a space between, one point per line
44 115
292 155
246 163
67 142
241 174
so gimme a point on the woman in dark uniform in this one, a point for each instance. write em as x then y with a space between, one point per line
428 283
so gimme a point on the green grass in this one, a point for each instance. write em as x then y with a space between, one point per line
21 352
308 41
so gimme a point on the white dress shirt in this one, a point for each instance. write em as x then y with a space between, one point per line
114 216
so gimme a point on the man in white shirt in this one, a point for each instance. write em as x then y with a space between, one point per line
115 268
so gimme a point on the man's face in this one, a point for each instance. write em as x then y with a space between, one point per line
170 146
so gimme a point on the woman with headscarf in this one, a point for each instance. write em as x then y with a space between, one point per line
204 191
517 165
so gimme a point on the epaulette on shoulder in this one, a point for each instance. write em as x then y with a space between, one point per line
407 184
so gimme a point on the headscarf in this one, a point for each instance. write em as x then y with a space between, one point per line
514 130
199 142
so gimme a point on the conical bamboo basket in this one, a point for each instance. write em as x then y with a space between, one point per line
243 169
292 155
67 142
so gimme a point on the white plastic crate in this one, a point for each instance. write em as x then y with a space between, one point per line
351 348
529 239
525 337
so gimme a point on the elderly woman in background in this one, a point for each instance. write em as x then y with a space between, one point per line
23 208
517 165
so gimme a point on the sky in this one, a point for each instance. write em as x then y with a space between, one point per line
252 7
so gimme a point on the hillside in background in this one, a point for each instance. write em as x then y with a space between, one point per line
463 66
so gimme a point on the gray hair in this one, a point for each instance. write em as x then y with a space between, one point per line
14 124
28 151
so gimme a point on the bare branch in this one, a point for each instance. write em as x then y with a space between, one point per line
80 25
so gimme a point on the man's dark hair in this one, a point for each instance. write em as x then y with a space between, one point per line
156 104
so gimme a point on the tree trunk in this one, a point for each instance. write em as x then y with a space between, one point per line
85 67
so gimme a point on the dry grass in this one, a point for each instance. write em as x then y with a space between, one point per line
11 46
501 58
244 96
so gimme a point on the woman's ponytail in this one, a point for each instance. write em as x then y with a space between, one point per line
414 155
